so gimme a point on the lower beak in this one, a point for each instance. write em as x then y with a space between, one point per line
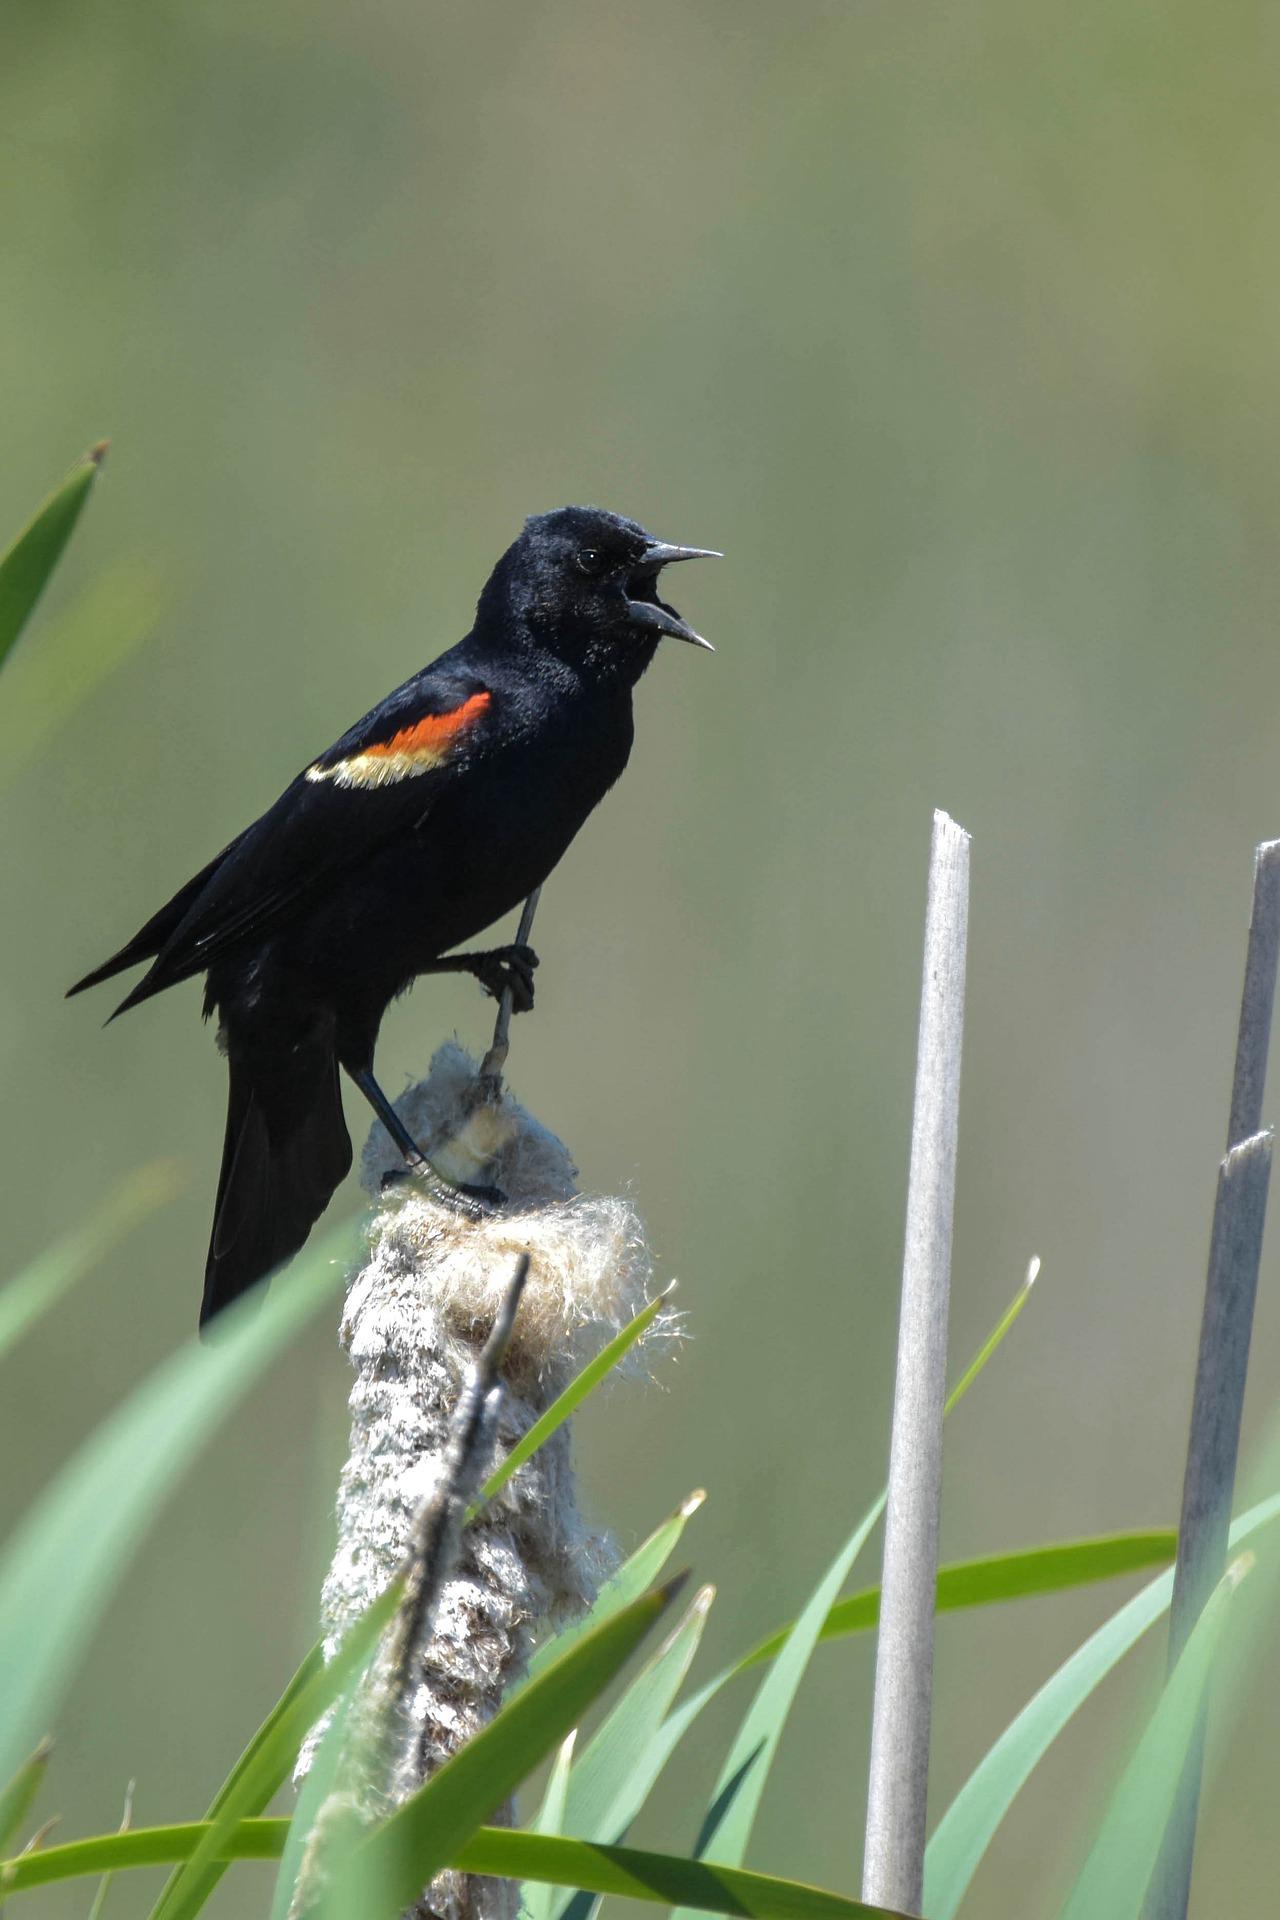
645 614
659 554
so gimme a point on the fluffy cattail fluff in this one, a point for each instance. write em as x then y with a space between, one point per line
416 1317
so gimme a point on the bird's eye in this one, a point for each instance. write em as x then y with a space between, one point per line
589 559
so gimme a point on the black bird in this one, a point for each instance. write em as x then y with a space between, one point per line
429 819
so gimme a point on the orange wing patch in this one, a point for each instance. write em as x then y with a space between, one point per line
416 749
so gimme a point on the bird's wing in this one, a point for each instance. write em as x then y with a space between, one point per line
377 781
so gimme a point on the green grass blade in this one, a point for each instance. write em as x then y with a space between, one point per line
59 1569
537 1900
1007 1584
320 1782
26 567
729 1818
663 1878
658 1878
970 1822
136 1847
34 1291
389 1869
268 1759
1113 1880
16 1799
598 1806
567 1403
633 1578
732 1810
104 1885
993 1578
995 1338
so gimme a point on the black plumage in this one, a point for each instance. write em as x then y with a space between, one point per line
429 819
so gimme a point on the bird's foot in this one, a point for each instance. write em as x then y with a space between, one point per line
459 1196
504 968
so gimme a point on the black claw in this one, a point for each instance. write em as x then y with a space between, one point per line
508 969
460 1196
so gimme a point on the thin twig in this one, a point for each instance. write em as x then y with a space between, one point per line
440 1522
1222 1364
496 1058
893 1866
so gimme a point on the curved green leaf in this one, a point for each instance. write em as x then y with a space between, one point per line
732 1810
59 1569
388 1870
966 1829
25 568
568 1402
16 1798
1113 1880
538 1900
996 1577
632 1578
599 1797
658 1878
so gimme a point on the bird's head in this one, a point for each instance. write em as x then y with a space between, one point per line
585 582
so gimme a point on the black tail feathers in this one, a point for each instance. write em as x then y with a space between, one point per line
148 940
286 1149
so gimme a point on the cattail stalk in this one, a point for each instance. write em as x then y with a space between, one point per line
893 1865
416 1318
1226 1330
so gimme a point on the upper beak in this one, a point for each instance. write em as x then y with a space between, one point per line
658 554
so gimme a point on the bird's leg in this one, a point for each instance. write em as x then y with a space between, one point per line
496 970
472 1200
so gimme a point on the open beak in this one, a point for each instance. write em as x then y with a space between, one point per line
652 613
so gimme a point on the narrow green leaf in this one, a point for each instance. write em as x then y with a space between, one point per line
536 1901
663 1878
25 568
320 1782
997 1577
59 1569
966 1829
137 1847
996 1337
268 1759
16 1799
658 1878
104 1885
598 1805
729 1818
1113 1880
392 1866
634 1577
731 1814
34 1291
570 1400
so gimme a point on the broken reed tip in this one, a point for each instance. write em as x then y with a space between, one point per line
1256 1147
945 825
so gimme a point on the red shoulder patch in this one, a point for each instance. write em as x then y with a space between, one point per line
412 750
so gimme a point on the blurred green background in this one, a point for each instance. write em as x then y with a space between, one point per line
955 328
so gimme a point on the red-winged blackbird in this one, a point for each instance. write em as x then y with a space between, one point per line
429 819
